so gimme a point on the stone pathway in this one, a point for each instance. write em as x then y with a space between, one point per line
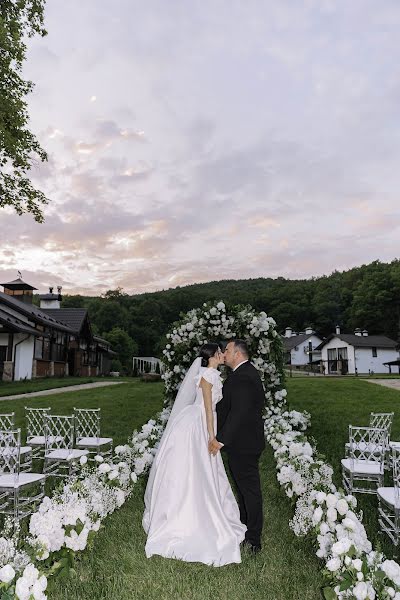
69 388
390 383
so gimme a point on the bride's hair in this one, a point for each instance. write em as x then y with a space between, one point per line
207 351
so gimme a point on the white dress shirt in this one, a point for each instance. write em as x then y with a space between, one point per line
240 364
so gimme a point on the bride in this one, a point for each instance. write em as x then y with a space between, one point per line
190 511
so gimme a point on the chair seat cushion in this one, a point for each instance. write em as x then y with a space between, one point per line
93 441
10 451
8 481
65 454
39 440
362 466
387 494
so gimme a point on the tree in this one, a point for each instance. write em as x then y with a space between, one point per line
108 314
375 300
116 294
19 148
123 345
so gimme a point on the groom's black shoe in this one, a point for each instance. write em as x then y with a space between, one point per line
253 548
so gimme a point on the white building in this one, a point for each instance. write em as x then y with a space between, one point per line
301 349
343 353
47 341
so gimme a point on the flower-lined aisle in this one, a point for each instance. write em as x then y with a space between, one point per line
353 570
67 522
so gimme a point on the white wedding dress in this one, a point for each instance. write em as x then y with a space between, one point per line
190 511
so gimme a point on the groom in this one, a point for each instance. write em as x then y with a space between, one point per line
241 432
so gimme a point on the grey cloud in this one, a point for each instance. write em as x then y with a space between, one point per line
254 115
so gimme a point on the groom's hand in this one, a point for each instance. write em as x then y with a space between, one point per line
214 446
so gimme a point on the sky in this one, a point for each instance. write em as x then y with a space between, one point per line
199 140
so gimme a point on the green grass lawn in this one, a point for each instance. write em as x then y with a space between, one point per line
123 407
335 404
116 567
47 383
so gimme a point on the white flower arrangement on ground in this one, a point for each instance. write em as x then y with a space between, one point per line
214 322
352 569
67 522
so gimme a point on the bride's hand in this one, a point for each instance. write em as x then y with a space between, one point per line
210 443
214 446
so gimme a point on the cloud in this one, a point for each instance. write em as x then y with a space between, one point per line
218 140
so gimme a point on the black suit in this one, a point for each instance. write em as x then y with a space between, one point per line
241 430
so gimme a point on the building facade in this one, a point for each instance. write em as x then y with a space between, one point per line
48 341
358 353
301 349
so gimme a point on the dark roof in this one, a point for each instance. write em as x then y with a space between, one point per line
33 313
393 362
73 317
104 345
97 338
18 284
11 321
295 340
362 341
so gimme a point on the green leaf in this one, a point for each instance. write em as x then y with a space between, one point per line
63 573
352 552
8 594
79 526
345 585
329 594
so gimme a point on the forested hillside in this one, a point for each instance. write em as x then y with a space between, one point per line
366 297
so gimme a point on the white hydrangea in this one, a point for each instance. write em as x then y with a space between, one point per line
7 574
31 584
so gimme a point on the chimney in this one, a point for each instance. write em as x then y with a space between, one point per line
51 300
337 329
288 332
365 333
358 332
309 330
294 333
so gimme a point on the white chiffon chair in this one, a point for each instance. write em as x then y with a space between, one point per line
13 483
7 423
363 470
87 432
379 421
35 430
389 503
60 455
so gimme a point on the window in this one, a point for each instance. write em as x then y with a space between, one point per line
42 348
89 357
38 347
332 360
342 353
374 351
58 349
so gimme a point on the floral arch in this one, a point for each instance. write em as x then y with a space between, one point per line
214 322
